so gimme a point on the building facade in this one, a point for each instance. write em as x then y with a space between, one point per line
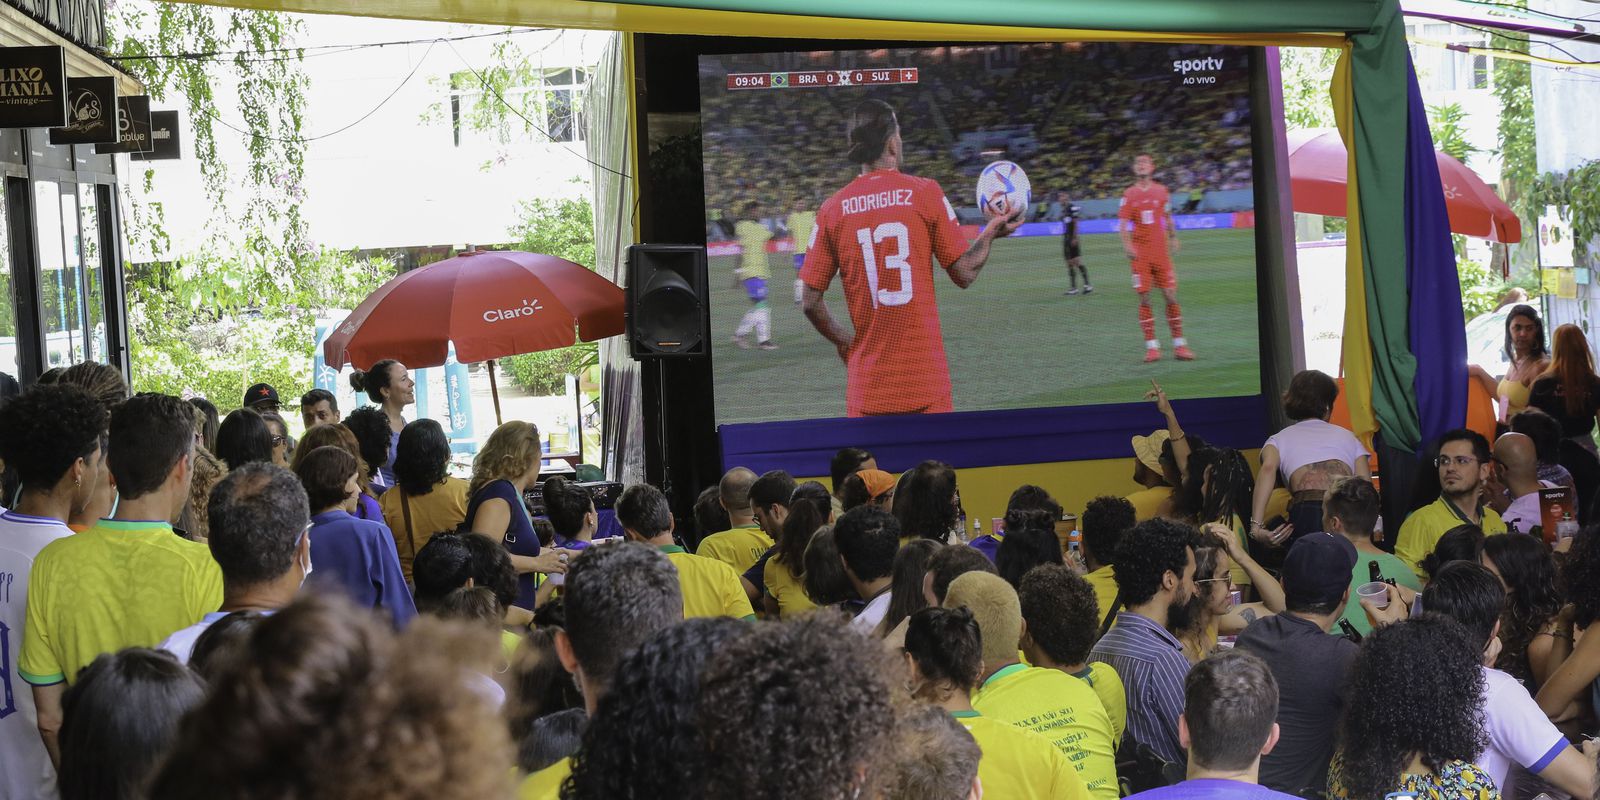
61 299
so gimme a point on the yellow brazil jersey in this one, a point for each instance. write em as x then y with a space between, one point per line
1147 503
1107 686
710 587
739 547
1018 764
1104 583
800 225
753 238
1421 531
546 783
786 588
117 584
1060 708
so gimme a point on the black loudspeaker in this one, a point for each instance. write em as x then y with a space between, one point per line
667 302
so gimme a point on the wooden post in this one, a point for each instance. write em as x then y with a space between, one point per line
495 391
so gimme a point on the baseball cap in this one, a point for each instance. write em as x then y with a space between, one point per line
1317 569
877 481
260 393
1148 448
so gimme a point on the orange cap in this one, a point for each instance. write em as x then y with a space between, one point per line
877 481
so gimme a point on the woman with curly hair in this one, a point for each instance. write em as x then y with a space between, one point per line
506 466
927 503
796 710
642 743
1567 694
376 447
426 498
338 435
1023 549
319 703
1526 568
1418 735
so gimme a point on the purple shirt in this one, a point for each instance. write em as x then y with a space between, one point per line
987 544
358 557
1212 789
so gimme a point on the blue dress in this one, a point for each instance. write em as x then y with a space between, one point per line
386 472
520 538
357 557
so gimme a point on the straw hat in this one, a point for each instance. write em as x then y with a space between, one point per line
1148 449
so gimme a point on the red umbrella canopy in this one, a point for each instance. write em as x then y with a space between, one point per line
491 304
1317 176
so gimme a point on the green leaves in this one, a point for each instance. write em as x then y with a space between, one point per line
565 229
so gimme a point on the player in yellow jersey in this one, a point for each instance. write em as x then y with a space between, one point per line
800 223
753 273
944 661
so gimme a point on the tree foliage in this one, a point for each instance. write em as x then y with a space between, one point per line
242 307
1307 73
565 229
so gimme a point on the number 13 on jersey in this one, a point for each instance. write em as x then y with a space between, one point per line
896 234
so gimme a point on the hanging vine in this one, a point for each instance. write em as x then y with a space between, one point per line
241 307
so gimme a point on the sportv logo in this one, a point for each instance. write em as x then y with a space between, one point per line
527 309
1188 65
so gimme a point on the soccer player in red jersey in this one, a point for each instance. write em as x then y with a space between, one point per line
881 235
1150 239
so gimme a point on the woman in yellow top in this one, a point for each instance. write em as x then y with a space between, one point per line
1528 356
426 500
944 661
810 507
1211 613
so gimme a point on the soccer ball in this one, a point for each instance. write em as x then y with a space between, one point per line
1003 189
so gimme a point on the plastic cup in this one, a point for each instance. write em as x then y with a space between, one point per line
1376 591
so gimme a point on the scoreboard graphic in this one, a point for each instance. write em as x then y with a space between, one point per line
825 78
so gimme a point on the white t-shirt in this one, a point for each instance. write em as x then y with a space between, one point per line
1311 441
181 643
1524 512
25 769
867 621
1518 731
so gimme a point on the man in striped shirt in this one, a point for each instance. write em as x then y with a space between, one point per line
1155 578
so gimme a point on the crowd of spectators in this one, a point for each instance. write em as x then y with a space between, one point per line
791 639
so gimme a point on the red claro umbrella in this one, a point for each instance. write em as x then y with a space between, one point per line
1317 176
490 304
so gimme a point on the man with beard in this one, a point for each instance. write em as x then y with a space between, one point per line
1155 579
1464 466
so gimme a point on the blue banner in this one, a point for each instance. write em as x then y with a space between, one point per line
988 438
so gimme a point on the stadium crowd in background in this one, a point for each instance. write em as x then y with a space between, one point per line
1072 131
277 635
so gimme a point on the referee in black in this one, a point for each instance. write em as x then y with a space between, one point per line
1070 248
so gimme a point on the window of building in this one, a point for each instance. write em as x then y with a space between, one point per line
550 111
